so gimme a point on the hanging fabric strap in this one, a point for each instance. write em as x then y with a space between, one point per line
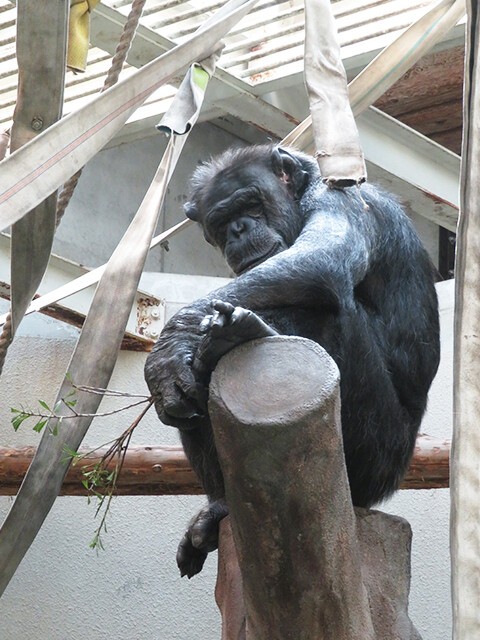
337 144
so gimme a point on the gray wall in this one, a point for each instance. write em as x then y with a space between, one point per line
111 189
113 185
63 590
132 591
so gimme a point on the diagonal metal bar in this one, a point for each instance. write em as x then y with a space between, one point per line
226 91
391 63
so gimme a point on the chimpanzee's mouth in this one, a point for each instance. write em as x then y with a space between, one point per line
276 248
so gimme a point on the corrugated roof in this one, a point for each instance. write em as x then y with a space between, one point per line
266 44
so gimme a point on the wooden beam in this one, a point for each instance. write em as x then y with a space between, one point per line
155 470
429 467
436 118
435 79
164 470
428 97
450 139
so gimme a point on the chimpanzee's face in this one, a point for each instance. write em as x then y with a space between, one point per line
249 212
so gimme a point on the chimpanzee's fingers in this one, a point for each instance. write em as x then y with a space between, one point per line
239 314
219 320
206 324
222 307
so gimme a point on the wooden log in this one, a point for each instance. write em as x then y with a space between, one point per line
307 564
465 493
429 467
451 139
287 489
385 544
229 587
159 470
164 470
436 119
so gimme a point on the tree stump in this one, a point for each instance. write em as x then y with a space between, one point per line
310 568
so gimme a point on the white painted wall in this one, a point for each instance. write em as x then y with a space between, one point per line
428 511
64 590
132 591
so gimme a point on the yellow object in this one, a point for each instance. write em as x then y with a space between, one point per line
79 33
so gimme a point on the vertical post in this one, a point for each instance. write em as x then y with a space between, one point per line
465 458
275 411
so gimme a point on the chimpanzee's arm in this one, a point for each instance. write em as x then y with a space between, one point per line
319 271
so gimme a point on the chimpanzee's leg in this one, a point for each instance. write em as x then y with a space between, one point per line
201 535
225 329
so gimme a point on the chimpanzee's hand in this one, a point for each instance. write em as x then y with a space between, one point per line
180 396
226 328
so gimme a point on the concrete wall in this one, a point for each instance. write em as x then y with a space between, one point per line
111 189
132 590
63 590
113 185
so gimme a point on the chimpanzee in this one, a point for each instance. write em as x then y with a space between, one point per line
344 268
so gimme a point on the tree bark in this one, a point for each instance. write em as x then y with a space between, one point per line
286 484
310 567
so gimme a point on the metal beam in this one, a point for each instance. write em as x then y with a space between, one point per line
146 317
423 173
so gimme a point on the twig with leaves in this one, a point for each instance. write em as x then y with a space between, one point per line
100 477
100 474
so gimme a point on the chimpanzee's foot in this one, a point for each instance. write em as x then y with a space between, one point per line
226 328
200 538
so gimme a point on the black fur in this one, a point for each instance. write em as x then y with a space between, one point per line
344 268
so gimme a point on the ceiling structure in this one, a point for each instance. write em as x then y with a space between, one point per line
258 93
264 54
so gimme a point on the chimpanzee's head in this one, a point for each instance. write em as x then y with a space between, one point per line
246 201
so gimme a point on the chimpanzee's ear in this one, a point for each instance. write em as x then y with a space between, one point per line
290 171
191 211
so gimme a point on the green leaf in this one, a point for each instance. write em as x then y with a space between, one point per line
15 410
71 453
17 421
39 426
43 404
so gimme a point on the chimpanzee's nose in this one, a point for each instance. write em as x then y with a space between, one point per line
240 226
